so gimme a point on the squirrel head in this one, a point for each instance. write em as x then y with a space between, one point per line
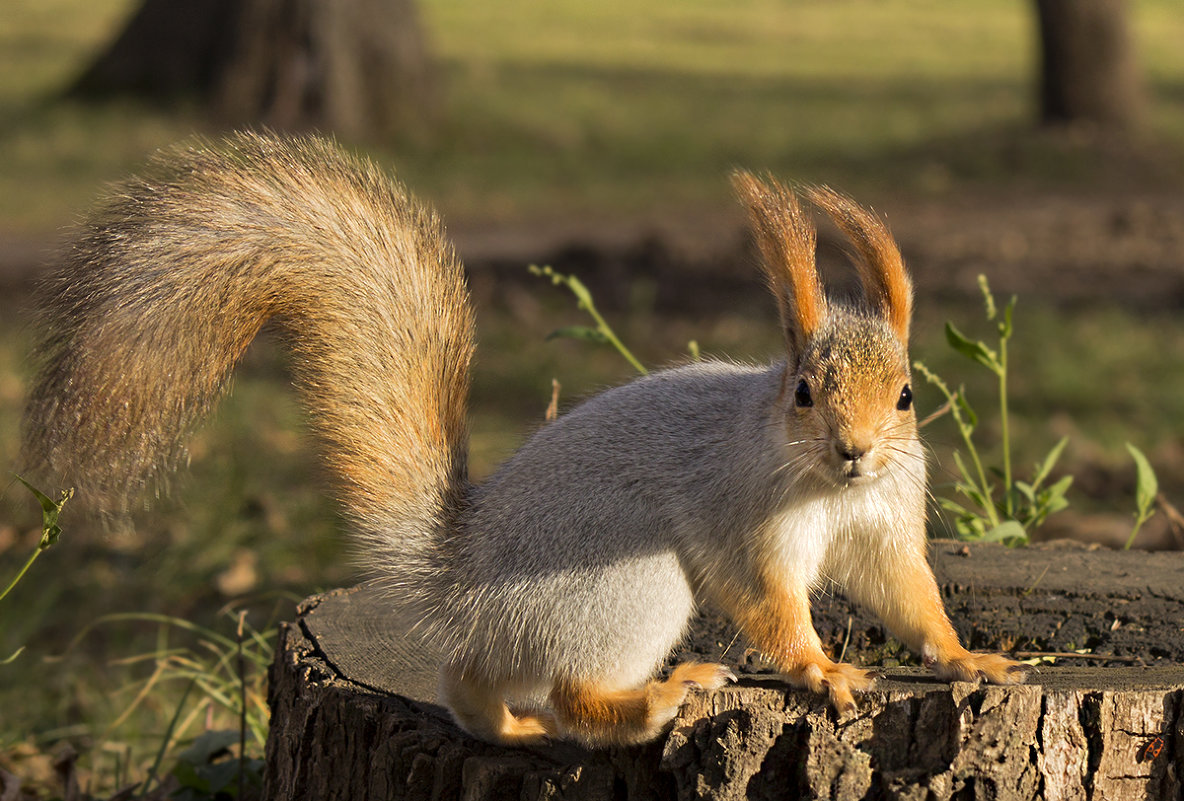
846 399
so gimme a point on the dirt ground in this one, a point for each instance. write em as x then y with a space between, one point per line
1083 249
1124 248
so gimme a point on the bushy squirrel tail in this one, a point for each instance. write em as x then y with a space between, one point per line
177 271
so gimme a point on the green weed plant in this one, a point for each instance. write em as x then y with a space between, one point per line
990 503
602 333
223 678
227 672
51 532
1146 492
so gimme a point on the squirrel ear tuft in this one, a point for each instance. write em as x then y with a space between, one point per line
786 239
877 258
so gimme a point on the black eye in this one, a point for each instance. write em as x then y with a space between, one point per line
801 395
906 399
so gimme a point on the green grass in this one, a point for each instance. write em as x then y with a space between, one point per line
626 107
623 108
611 111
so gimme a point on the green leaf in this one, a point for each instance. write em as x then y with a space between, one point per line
1055 505
50 511
1007 530
970 528
968 486
1045 467
1005 327
973 350
973 495
952 506
1059 489
1061 485
1146 483
966 475
1050 501
578 332
963 532
1026 490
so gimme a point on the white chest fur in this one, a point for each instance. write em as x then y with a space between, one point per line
823 537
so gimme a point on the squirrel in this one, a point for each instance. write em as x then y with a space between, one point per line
556 589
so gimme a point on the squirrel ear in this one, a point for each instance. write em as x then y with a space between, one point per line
881 269
786 238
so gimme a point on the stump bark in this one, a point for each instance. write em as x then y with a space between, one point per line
354 713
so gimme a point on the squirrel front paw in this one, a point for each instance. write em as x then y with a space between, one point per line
976 667
837 679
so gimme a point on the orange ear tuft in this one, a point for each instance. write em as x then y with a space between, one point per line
786 239
881 269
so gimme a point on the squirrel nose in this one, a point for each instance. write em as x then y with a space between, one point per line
850 452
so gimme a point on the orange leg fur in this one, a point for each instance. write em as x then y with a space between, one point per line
779 625
481 711
596 716
904 594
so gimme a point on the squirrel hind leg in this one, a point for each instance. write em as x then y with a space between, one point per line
481 710
596 716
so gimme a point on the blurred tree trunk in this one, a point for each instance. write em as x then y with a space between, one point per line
1088 66
358 67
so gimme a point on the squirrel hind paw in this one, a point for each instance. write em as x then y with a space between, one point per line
480 709
705 676
597 716
532 729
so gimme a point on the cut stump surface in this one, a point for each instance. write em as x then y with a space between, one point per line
354 713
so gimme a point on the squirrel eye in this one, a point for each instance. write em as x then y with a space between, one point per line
906 399
801 395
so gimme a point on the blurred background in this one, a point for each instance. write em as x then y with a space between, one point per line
1037 142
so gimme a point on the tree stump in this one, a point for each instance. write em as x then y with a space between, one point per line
355 67
354 713
1088 68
